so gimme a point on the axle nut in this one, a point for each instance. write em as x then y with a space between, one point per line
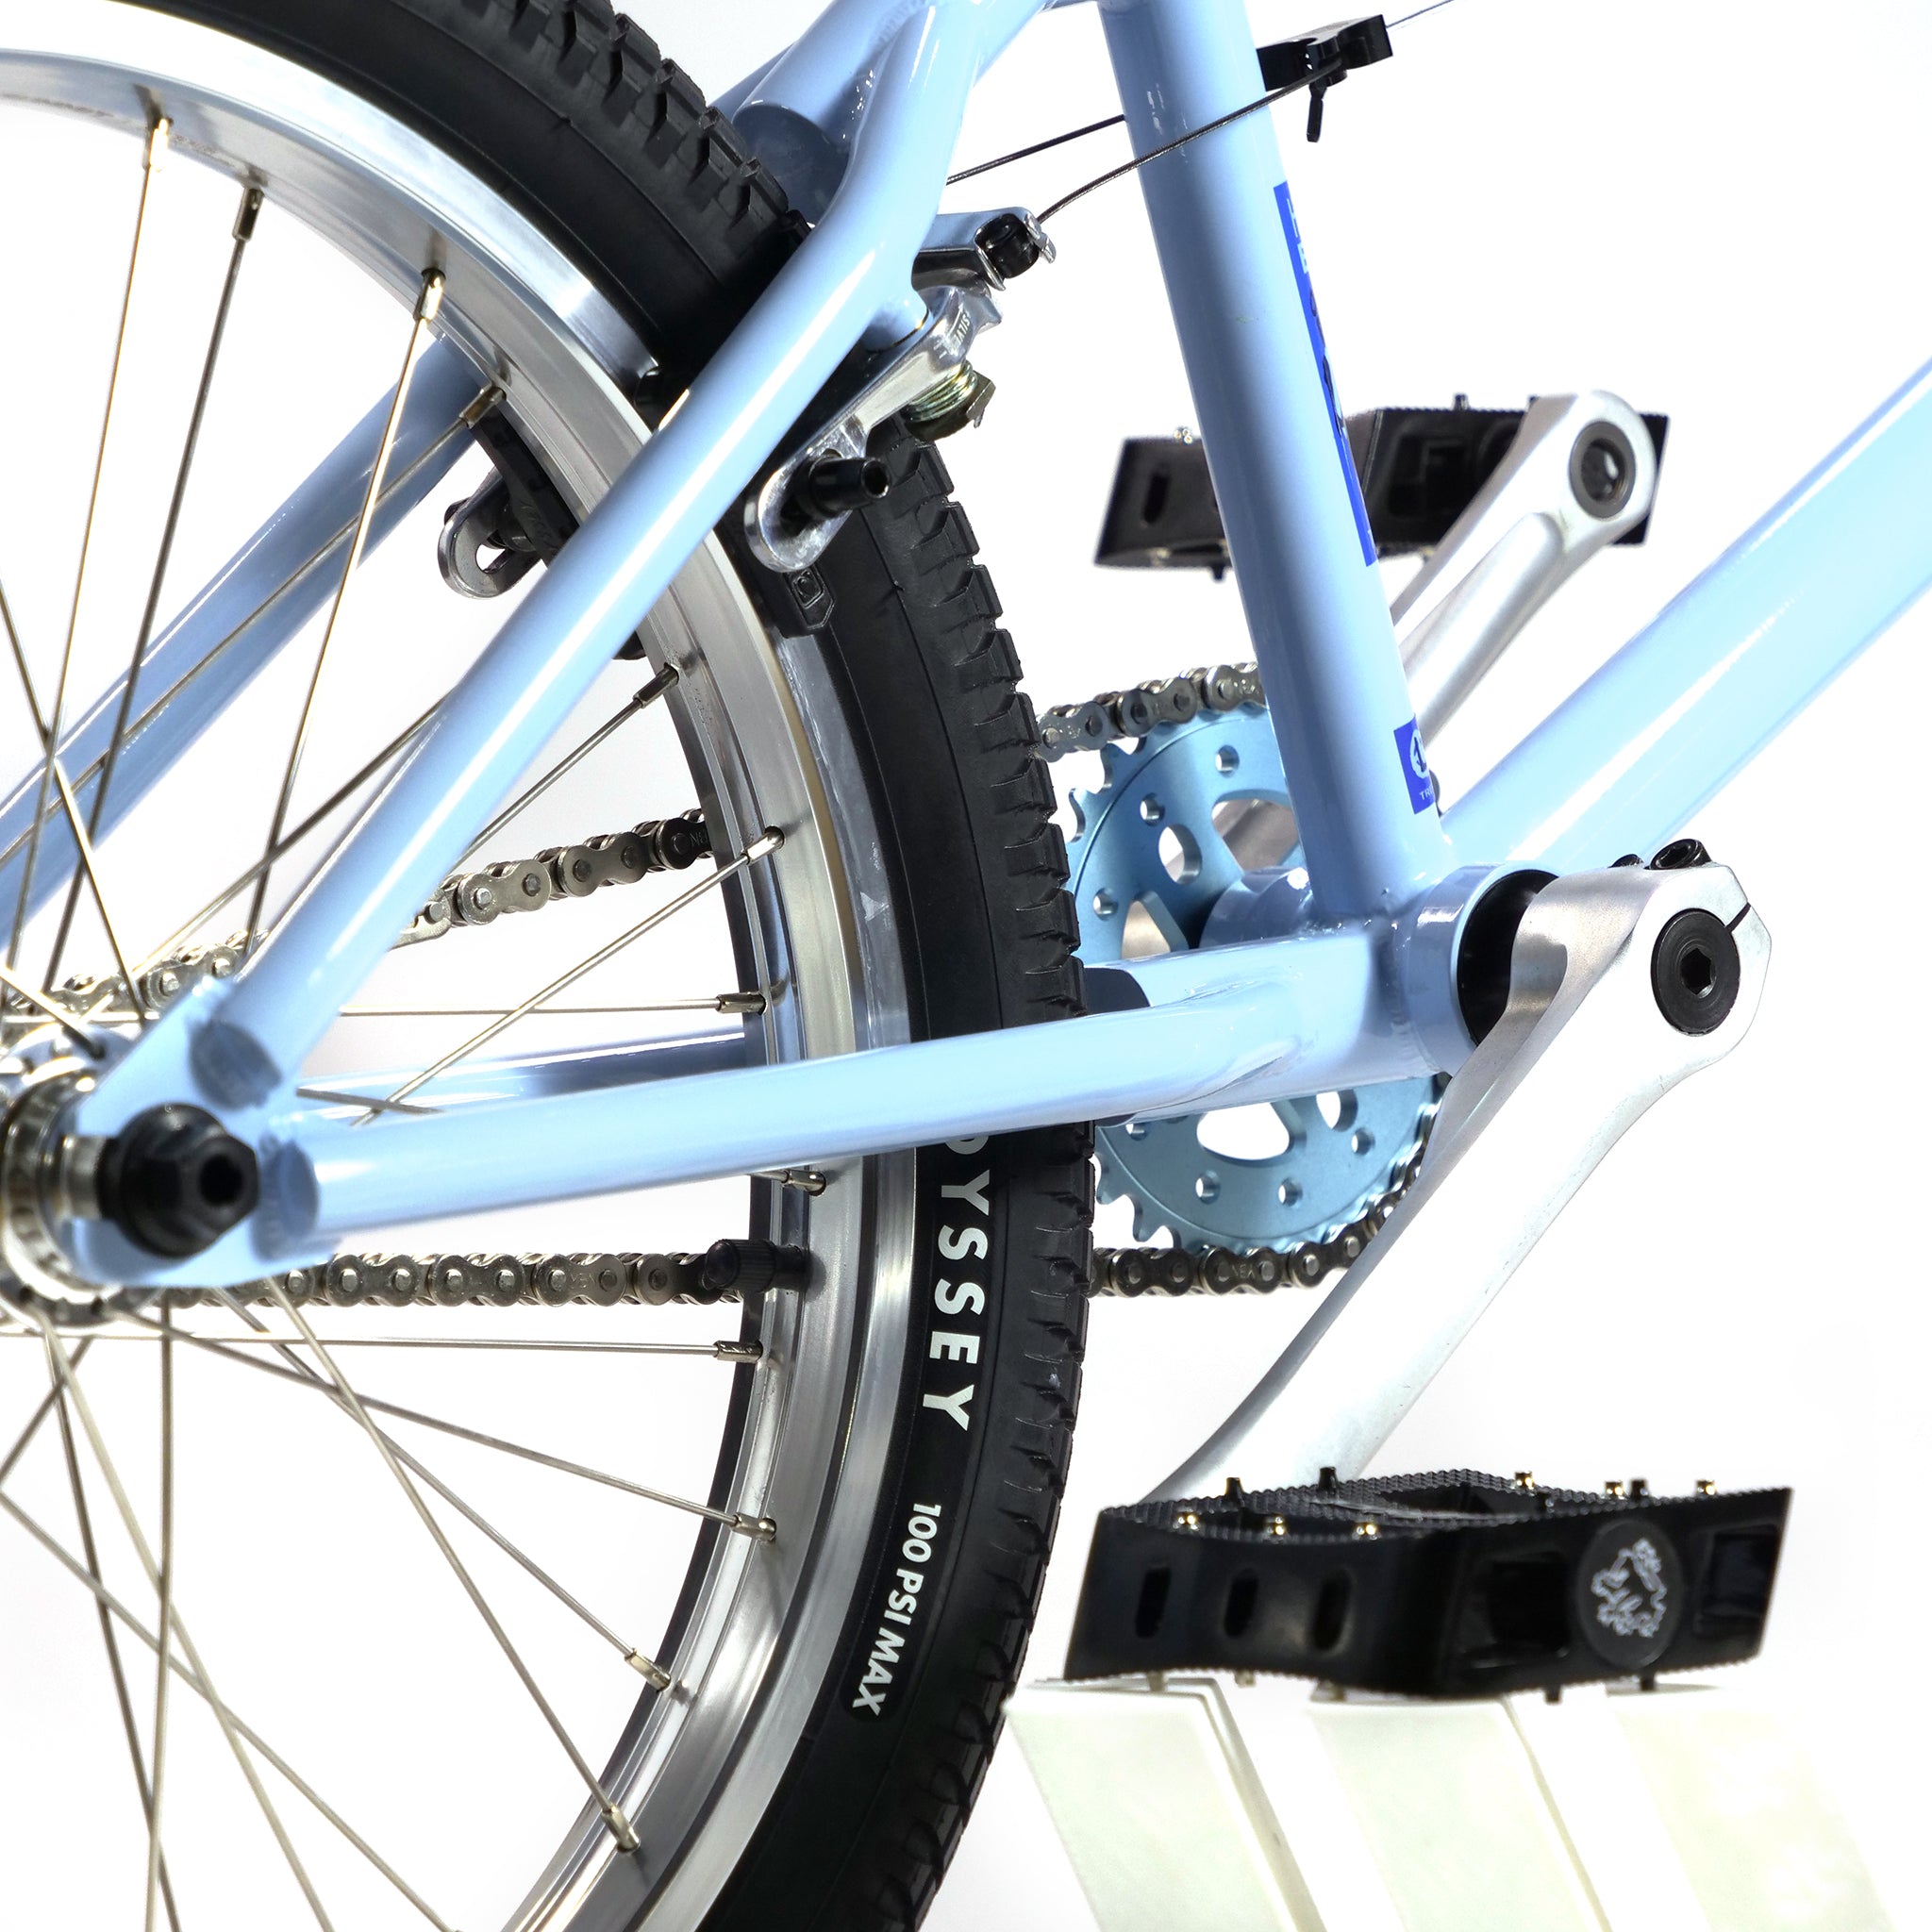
174 1181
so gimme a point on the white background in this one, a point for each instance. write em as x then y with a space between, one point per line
1714 212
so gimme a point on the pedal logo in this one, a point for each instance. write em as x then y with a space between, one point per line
1632 1598
1415 767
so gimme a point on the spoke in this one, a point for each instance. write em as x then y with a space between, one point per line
108 1601
290 839
758 849
618 1825
45 1410
718 1002
58 1359
166 1619
158 1871
38 1000
86 848
82 844
156 147
427 303
759 1527
245 231
480 405
727 1350
642 699
374 1101
654 1673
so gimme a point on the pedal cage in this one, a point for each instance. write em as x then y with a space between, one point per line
1451 1584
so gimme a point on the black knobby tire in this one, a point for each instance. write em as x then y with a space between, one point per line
571 112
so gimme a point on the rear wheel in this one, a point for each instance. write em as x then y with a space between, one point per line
835 1691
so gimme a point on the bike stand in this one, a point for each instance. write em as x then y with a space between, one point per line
1269 1809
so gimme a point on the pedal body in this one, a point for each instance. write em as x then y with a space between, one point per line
1453 1584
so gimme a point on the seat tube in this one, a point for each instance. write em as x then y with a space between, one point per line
1303 554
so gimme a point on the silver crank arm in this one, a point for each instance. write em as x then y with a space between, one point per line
1580 474
1585 1045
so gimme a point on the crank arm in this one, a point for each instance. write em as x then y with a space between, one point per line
1580 474
1621 983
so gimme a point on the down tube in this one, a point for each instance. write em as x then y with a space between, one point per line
1727 663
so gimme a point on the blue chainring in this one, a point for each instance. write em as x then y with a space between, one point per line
1148 864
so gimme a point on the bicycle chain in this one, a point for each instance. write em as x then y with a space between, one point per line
1132 1272
1107 718
1134 712
465 898
728 1270
561 872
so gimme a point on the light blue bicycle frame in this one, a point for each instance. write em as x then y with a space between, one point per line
1348 983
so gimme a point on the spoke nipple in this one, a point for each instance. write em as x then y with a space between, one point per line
655 1674
430 300
770 842
737 1350
807 1180
620 1828
649 692
759 1528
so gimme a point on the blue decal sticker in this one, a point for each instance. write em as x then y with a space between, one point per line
1415 767
1321 348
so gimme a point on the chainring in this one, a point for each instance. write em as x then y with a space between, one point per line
1176 821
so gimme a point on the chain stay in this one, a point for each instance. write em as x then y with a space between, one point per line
731 1269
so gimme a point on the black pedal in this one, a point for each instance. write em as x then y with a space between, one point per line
1163 514
1453 1584
1419 471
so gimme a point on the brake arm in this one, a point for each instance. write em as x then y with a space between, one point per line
781 538
1621 983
